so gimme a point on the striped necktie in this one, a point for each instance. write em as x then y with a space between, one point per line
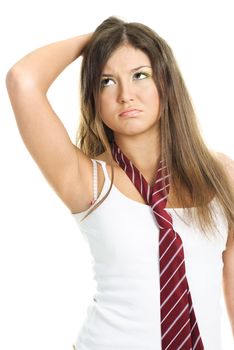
179 328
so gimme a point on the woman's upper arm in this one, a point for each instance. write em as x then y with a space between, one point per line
228 254
47 139
228 280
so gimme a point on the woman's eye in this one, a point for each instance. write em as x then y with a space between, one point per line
145 75
104 82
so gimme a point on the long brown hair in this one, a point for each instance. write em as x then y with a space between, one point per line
193 168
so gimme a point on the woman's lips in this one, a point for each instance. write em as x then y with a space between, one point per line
130 112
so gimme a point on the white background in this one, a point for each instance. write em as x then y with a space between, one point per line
45 264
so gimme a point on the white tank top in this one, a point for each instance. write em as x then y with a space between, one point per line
122 235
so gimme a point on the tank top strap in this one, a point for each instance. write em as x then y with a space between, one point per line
95 175
103 164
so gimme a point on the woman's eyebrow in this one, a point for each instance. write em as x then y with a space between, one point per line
132 70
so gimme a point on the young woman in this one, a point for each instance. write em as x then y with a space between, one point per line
156 205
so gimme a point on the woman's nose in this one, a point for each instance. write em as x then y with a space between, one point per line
125 93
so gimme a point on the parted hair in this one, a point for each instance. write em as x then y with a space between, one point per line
195 171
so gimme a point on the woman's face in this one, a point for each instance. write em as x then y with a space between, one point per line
127 83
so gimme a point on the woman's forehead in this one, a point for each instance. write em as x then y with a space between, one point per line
126 58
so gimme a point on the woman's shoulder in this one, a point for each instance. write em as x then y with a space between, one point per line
227 163
224 158
104 157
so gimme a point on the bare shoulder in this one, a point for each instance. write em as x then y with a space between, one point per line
224 158
104 156
227 162
228 165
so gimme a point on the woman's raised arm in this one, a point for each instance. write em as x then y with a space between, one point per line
42 66
42 131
